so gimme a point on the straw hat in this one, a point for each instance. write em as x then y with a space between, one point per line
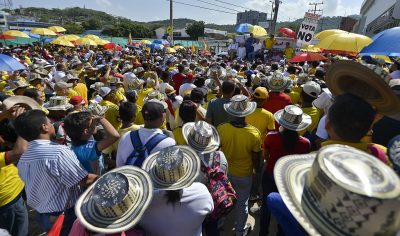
328 196
17 100
277 82
211 84
97 109
154 95
34 76
58 103
201 136
292 118
17 84
116 201
96 86
240 106
366 81
173 168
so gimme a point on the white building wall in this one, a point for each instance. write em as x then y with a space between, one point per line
375 10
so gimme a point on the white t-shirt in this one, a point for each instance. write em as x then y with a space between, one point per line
125 146
233 46
241 52
186 86
182 219
321 131
257 46
163 86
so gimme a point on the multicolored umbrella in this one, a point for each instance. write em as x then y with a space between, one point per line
16 33
308 56
384 43
86 41
347 42
323 34
8 63
243 28
5 37
62 42
57 29
43 31
287 32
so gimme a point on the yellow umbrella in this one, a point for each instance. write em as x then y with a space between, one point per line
170 50
385 58
70 37
178 47
62 42
258 31
91 36
145 41
57 29
86 41
100 41
43 31
310 48
16 33
348 42
326 33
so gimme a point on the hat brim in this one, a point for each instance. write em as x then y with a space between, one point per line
193 170
90 218
15 100
290 174
275 88
60 108
355 78
306 121
211 147
251 107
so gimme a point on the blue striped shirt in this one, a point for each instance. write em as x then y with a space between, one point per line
51 173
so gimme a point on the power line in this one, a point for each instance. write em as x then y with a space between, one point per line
217 5
206 8
228 3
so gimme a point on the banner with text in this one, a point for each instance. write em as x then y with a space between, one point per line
307 29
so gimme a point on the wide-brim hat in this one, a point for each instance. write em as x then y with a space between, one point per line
240 106
366 81
194 140
88 214
328 196
277 82
190 160
97 109
292 121
16 100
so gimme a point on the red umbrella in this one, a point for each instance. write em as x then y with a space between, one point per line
4 37
287 32
118 48
308 56
109 46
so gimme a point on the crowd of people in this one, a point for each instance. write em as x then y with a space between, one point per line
139 142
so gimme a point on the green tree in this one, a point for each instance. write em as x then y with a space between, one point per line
73 28
93 23
196 29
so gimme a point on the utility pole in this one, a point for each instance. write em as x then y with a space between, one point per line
315 10
271 15
276 8
171 21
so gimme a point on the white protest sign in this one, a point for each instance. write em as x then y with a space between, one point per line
307 29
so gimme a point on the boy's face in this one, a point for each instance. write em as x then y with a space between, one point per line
48 128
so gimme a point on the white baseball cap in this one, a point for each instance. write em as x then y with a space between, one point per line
312 89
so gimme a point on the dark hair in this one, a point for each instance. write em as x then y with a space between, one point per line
319 74
3 96
32 93
351 117
59 66
237 90
173 196
197 95
131 96
180 68
75 123
306 98
291 70
28 125
165 76
199 82
274 66
228 87
187 111
289 139
315 63
127 111
7 131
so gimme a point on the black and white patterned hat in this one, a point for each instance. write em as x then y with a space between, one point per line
340 191
201 136
116 201
240 106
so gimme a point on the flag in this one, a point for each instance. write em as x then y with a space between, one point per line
193 49
130 39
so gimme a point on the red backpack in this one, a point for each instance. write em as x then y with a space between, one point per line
220 188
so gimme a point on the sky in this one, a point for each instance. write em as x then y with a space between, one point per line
151 10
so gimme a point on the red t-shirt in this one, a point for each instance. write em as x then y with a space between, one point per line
276 101
274 145
177 80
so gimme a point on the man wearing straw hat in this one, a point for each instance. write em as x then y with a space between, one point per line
241 144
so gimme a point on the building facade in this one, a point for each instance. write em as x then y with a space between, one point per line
347 24
378 15
251 17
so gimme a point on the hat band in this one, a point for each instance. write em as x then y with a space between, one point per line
239 106
293 119
199 139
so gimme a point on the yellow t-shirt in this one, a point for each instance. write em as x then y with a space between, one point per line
11 184
263 120
72 93
238 144
114 146
269 43
288 52
294 96
312 71
178 136
82 91
315 116
142 94
360 146
139 117
112 114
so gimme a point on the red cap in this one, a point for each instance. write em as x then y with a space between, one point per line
76 100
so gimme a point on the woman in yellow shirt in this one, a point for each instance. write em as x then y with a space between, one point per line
187 113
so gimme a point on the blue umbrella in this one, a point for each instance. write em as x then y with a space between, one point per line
244 28
161 41
156 46
384 43
35 36
8 63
